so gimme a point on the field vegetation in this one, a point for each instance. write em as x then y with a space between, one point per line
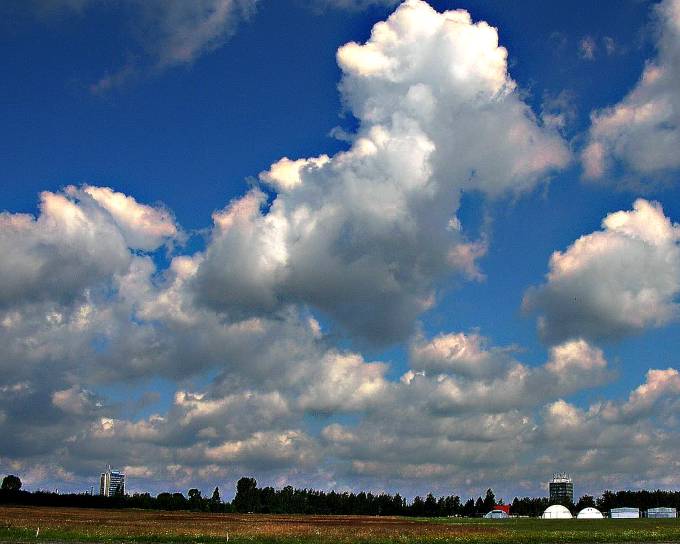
20 524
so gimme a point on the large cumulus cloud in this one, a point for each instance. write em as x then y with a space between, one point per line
79 239
612 282
134 322
642 132
455 373
364 235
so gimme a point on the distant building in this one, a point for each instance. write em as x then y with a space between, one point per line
504 507
589 513
662 512
556 511
624 513
561 488
112 482
496 514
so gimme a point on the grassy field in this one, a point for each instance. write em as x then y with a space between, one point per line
20 524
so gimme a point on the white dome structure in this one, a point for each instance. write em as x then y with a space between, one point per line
556 511
496 514
589 513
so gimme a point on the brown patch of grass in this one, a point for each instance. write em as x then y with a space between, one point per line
127 524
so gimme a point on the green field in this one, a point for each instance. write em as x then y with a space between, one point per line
60 525
573 530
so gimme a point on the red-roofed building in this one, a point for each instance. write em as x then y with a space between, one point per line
504 507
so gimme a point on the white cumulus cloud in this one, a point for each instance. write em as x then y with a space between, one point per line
70 246
612 282
144 227
363 236
642 131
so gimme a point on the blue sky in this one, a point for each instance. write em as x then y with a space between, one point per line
209 315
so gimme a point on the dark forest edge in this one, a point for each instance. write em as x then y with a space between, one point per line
266 500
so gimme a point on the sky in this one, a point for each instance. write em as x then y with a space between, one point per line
340 244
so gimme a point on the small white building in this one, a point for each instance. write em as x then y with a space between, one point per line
662 512
624 513
556 511
589 513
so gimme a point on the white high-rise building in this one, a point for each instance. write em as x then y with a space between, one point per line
112 482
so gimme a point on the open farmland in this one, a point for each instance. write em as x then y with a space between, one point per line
70 524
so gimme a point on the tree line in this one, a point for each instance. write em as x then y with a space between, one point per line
288 500
264 500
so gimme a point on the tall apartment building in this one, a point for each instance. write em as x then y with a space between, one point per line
111 482
561 488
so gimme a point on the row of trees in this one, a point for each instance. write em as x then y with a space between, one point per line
638 499
250 498
11 492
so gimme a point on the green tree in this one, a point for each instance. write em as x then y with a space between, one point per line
418 507
453 506
11 483
178 502
479 506
246 499
216 501
195 501
489 502
430 505
585 502
398 504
